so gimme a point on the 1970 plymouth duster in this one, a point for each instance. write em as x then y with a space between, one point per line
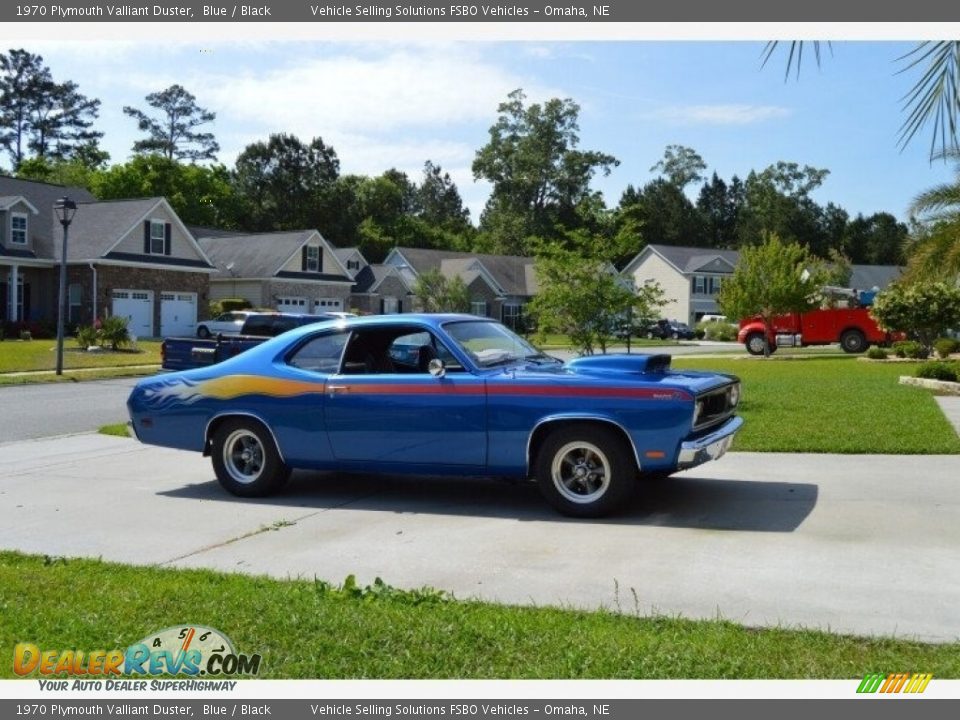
440 394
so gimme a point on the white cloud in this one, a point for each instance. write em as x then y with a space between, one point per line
721 114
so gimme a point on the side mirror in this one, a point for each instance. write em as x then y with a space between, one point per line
437 368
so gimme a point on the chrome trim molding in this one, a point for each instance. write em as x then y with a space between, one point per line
709 447
593 418
240 413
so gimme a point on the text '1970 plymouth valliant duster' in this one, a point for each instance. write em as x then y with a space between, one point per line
441 395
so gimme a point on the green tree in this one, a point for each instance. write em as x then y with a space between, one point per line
174 133
581 294
73 173
437 293
719 208
680 165
38 115
200 195
878 239
772 278
539 175
439 202
934 249
285 184
924 310
664 213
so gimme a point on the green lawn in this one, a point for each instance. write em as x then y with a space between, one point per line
833 405
26 355
307 629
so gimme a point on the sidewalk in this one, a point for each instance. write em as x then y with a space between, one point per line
951 408
71 371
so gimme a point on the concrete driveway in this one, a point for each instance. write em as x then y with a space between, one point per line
859 544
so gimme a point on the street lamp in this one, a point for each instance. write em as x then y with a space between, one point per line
65 208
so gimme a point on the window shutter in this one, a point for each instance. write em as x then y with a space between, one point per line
146 237
303 258
399 306
320 259
166 238
381 306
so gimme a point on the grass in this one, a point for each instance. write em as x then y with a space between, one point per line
833 405
78 375
117 429
307 629
31 355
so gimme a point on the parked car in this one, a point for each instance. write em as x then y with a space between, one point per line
228 323
475 399
670 329
187 352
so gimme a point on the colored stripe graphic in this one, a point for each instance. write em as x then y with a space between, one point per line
892 683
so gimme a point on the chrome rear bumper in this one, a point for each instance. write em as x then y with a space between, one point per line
709 447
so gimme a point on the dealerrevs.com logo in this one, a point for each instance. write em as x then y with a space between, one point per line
192 650
892 683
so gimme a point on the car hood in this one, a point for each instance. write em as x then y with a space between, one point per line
625 370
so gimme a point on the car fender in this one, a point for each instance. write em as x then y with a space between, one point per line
577 417
208 436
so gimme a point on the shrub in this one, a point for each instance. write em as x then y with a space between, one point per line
114 331
938 371
86 336
26 335
946 346
877 353
910 349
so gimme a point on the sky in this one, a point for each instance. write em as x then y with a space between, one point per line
383 105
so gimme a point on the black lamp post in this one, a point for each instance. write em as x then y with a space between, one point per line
65 209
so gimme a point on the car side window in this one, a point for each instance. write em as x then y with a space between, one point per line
226 317
413 352
320 354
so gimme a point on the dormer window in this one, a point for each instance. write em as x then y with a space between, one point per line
353 264
18 228
313 259
157 236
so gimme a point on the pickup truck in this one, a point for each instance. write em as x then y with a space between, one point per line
185 353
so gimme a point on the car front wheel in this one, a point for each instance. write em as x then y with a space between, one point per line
853 341
586 470
246 460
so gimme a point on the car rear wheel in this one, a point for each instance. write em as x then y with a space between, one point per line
203 332
586 470
853 341
246 460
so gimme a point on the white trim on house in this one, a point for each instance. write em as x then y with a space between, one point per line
274 278
162 224
394 271
14 199
639 257
152 266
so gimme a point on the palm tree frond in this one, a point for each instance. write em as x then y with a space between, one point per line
794 55
934 98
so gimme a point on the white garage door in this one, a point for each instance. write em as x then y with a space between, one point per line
137 307
292 305
322 305
178 314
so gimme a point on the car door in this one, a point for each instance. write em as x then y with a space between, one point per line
385 408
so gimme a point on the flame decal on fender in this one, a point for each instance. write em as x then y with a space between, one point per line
187 392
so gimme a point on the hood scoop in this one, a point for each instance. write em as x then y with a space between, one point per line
634 364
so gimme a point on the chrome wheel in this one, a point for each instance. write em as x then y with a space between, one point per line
755 344
581 472
243 456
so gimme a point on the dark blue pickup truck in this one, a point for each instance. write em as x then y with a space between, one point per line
185 353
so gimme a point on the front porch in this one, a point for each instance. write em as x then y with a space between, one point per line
27 292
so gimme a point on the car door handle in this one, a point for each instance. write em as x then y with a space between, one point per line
334 389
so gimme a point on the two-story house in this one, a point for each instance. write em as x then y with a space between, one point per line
132 258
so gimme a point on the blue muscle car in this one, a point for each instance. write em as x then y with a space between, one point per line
440 394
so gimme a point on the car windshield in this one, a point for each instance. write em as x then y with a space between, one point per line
490 343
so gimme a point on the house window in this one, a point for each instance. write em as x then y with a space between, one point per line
699 285
157 232
391 306
313 259
75 295
18 229
353 264
513 316
478 307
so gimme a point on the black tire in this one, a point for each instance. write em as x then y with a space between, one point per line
586 470
246 460
853 341
203 332
754 343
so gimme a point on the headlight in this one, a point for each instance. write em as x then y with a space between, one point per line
734 395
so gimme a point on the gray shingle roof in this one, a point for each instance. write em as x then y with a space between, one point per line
689 259
867 277
42 196
514 273
370 275
97 226
259 255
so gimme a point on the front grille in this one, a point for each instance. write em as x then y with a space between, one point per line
717 405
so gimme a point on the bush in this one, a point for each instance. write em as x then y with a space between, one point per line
114 331
218 307
946 346
938 371
877 353
86 336
910 349
719 331
26 335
